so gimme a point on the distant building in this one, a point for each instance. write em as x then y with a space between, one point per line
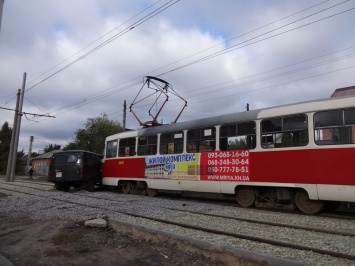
1 8
347 91
40 164
328 135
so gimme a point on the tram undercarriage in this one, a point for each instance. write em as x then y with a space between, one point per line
283 199
280 198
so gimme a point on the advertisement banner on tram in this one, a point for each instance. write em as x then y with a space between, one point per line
207 166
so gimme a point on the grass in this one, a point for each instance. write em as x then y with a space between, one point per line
141 263
42 178
82 249
66 238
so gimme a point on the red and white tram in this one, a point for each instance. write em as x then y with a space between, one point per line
293 155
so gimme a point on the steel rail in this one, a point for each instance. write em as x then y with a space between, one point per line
298 227
209 230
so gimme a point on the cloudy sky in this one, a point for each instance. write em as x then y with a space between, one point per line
84 58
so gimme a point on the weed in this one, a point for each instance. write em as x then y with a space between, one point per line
82 249
42 178
140 263
66 238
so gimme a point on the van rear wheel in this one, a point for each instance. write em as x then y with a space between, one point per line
62 186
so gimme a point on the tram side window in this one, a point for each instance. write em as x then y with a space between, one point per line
111 149
172 142
147 145
238 136
334 127
201 140
127 147
282 132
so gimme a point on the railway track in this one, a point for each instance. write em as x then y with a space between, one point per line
341 214
200 220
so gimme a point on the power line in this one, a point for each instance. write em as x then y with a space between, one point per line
278 75
236 37
240 35
99 97
201 51
88 45
129 28
228 50
284 83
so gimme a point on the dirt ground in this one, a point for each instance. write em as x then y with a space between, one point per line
27 242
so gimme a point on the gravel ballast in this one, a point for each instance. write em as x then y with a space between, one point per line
113 204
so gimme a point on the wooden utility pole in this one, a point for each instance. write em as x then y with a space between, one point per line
11 162
29 153
9 159
124 115
18 126
1 8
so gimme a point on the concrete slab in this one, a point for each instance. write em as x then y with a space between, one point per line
4 261
96 223
227 254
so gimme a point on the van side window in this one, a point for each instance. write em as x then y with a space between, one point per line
286 131
201 139
127 147
147 145
238 136
72 158
111 149
334 127
172 142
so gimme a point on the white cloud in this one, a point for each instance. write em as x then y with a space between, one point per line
39 34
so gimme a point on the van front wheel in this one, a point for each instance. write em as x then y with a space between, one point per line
90 185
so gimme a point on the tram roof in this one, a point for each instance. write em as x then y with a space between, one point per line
288 109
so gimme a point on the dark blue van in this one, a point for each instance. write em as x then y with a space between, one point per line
75 168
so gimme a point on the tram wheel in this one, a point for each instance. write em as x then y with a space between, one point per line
245 196
126 187
306 205
151 192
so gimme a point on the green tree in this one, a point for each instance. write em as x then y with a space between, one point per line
238 144
5 140
20 162
34 154
51 147
92 137
72 145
